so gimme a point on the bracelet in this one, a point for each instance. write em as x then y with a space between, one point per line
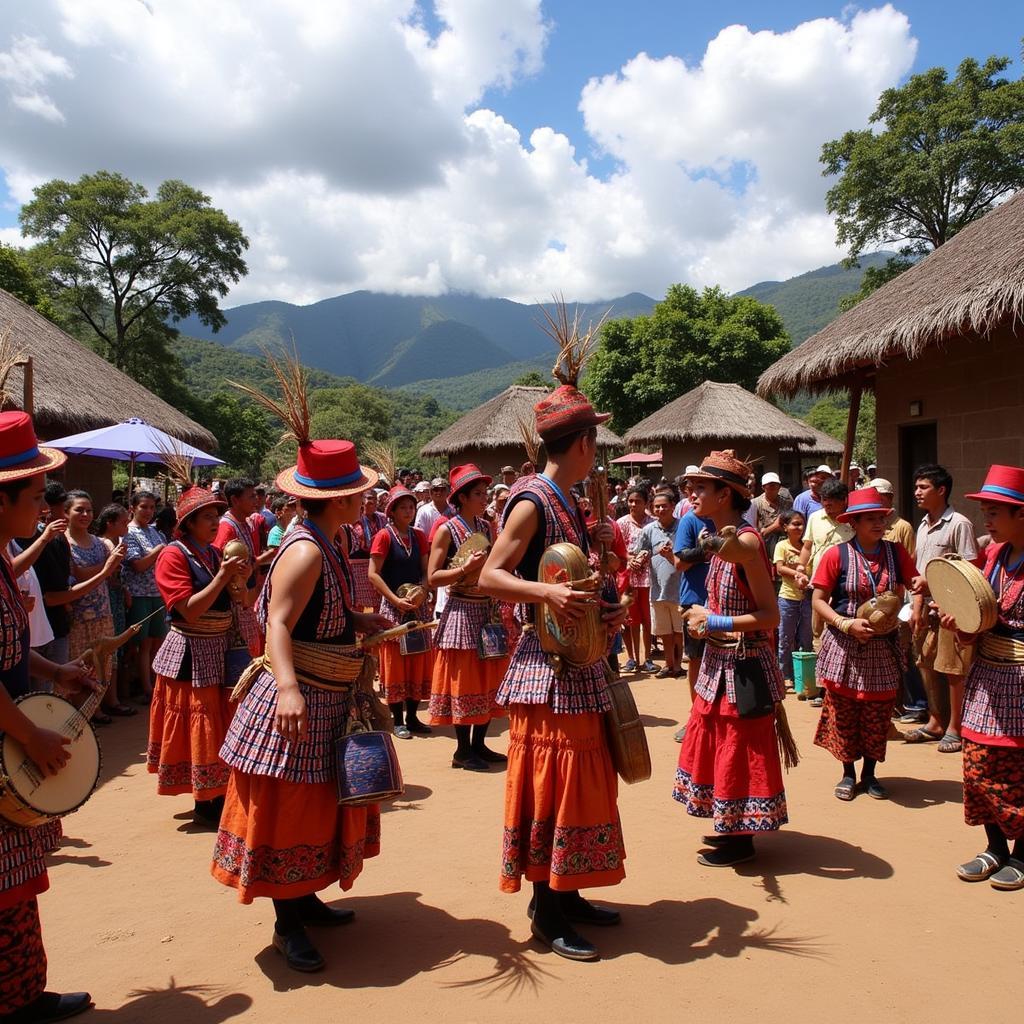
843 625
720 623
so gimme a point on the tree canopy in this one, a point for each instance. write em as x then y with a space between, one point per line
645 362
948 151
125 266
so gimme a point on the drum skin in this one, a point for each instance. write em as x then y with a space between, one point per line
627 740
27 797
584 640
961 590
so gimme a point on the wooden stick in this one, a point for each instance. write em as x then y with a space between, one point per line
856 390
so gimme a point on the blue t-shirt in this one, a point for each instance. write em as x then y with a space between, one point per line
805 503
693 588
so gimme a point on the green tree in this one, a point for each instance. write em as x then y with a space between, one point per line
948 151
829 415
645 362
874 278
359 413
124 265
534 379
18 277
243 430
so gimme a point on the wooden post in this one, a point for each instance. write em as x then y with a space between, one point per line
856 390
28 391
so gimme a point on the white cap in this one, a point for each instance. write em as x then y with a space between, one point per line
422 486
853 465
690 470
500 488
770 478
824 469
881 485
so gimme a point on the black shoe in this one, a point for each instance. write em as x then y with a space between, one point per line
206 813
728 855
570 945
51 1006
716 841
490 756
418 728
313 911
470 762
300 953
581 911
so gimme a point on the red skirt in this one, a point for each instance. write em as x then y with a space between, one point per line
22 956
289 839
851 729
187 726
994 787
464 688
729 770
561 811
406 677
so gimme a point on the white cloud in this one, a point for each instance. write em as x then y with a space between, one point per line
348 140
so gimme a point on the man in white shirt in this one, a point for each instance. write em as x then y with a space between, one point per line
431 511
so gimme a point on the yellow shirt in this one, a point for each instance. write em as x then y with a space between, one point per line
824 532
789 590
900 531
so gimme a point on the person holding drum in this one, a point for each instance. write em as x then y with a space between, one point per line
398 572
993 713
562 829
23 468
191 706
729 768
283 833
858 592
465 682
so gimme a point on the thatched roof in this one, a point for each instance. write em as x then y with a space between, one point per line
713 411
973 285
495 424
76 389
823 444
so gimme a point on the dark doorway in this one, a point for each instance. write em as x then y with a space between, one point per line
919 444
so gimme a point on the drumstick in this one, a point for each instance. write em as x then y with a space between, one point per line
395 633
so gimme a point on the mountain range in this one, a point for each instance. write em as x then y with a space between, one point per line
463 349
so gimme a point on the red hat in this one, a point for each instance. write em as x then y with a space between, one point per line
396 492
724 468
20 453
565 411
326 469
193 499
463 476
867 499
1004 484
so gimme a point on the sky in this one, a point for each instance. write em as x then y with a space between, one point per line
513 148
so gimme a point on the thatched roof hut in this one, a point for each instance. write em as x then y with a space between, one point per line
74 389
940 345
720 416
490 435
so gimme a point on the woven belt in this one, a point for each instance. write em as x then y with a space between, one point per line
727 642
1000 650
332 667
208 624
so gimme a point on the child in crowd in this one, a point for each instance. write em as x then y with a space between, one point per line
794 593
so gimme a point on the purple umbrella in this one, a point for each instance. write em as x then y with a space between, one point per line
131 441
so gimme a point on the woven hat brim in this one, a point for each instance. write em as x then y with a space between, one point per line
1001 499
218 502
554 433
743 492
286 482
47 460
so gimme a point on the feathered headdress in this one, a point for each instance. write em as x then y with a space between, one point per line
382 455
531 442
292 409
573 346
9 359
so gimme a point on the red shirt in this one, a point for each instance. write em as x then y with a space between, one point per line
173 576
229 529
382 542
826 576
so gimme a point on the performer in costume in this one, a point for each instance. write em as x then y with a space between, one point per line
23 468
283 834
234 525
729 768
860 664
464 685
191 706
360 535
398 558
993 717
562 829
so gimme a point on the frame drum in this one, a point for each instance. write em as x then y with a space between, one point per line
27 797
961 590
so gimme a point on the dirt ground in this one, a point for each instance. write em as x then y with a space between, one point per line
851 913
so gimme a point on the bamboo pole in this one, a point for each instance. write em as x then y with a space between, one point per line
856 390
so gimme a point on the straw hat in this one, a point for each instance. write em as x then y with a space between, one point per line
21 455
724 468
464 476
193 499
1004 484
396 492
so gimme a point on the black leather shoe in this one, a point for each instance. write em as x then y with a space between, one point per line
580 911
418 728
300 953
490 756
571 945
318 914
51 1006
471 763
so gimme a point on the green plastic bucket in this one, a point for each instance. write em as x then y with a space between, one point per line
804 680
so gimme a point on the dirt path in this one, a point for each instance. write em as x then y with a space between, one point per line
852 913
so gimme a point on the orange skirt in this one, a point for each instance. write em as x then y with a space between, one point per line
405 678
561 814
187 726
288 839
464 688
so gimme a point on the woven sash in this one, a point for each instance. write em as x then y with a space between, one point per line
1001 650
325 666
208 624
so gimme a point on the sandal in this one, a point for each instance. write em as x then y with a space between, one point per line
120 710
846 788
875 790
920 735
1009 877
950 744
979 868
